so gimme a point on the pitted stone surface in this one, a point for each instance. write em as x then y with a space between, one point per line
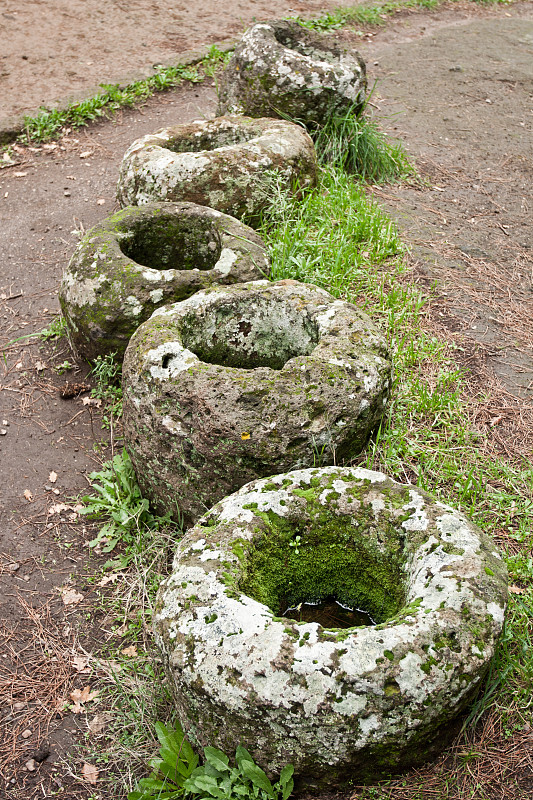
240 382
228 163
140 258
282 69
340 704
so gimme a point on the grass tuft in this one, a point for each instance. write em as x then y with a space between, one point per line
355 144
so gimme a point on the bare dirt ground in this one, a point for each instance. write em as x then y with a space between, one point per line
456 86
66 48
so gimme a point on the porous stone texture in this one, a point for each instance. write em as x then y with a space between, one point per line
229 163
340 704
242 382
140 258
282 69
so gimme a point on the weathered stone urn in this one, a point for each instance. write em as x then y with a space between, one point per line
240 382
140 258
281 69
340 703
229 163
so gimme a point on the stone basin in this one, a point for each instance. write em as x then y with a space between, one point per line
282 69
141 258
233 163
240 382
341 704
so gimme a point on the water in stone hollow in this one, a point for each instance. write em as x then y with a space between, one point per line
329 614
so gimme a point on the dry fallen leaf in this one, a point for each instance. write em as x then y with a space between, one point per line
110 578
81 664
130 651
517 589
70 596
52 477
20 174
86 153
80 696
91 401
98 723
90 773
28 495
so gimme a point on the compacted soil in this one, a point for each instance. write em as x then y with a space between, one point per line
67 48
455 85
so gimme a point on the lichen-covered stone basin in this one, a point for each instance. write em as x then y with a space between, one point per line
281 69
340 704
241 382
229 163
140 258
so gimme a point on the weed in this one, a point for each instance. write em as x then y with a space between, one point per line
55 330
355 144
107 372
176 774
118 499
65 366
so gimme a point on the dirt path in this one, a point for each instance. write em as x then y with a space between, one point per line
470 229
66 48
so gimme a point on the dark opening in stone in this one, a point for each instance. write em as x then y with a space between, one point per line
166 242
211 140
294 40
340 560
251 333
330 614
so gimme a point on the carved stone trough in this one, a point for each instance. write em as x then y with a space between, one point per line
341 704
282 69
140 258
240 382
228 163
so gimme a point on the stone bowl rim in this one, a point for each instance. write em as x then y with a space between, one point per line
221 294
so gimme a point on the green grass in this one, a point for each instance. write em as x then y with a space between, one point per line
50 123
355 144
373 15
338 239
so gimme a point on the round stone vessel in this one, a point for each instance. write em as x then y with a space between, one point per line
341 704
140 258
282 69
229 163
240 382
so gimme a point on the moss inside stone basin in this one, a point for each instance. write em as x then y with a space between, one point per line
166 241
352 560
212 139
250 333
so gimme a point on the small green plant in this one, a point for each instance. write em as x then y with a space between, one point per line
176 774
107 372
177 762
65 366
353 143
55 330
118 500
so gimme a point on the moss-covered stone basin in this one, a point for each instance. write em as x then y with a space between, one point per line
340 704
230 163
280 68
241 382
141 258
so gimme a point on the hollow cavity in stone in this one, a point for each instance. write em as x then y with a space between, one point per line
259 332
329 613
170 242
336 559
212 139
